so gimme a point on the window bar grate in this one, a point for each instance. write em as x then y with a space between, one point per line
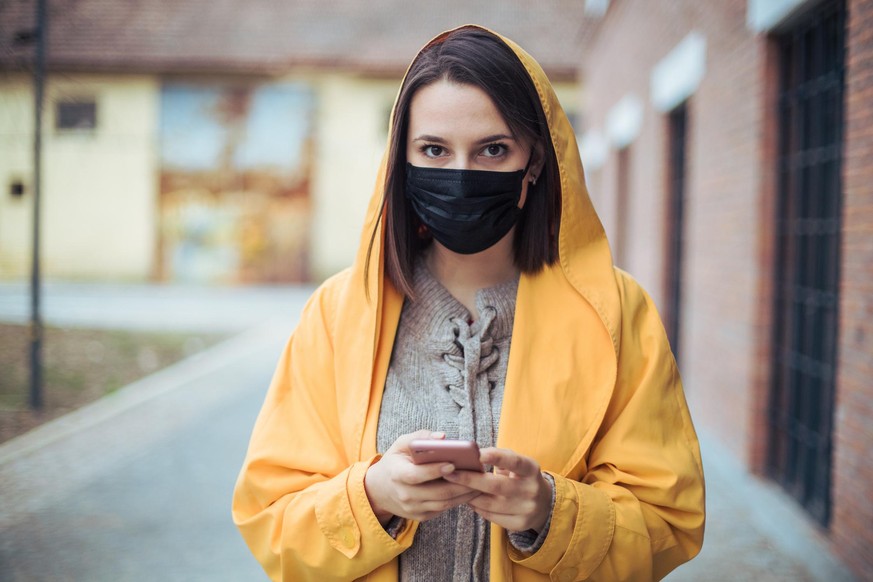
808 226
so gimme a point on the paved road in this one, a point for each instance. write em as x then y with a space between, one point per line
139 489
153 307
136 487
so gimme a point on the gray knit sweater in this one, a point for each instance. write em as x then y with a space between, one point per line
447 374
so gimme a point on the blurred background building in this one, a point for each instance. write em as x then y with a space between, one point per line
730 155
222 141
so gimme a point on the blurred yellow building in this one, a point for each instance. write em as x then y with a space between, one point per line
239 150
99 182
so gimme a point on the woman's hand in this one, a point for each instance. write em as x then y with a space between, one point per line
515 496
397 486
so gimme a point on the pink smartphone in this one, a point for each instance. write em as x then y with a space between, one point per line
464 455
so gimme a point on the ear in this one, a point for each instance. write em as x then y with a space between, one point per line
538 161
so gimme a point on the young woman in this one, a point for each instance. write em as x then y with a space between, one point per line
483 306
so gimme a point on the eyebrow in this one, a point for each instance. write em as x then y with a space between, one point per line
488 139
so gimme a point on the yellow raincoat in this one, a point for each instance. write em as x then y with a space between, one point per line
592 393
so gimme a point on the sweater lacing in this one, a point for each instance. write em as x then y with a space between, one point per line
470 357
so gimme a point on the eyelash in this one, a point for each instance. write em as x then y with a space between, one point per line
425 149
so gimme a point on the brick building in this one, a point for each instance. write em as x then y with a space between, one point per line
729 151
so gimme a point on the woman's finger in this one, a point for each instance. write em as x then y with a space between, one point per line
419 500
509 461
499 505
417 474
485 482
402 442
433 491
444 504
506 521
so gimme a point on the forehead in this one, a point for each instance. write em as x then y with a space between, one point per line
454 111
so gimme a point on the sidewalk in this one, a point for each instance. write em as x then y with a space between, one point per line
754 532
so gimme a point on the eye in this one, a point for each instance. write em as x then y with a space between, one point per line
433 151
494 150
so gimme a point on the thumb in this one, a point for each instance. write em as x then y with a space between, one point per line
403 441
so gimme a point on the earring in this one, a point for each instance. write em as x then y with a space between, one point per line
533 180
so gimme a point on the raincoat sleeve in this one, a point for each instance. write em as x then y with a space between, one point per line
638 510
299 501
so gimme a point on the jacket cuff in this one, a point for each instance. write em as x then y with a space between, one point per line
580 532
346 518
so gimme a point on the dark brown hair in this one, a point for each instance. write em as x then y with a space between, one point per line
475 57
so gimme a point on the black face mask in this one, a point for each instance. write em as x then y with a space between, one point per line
467 211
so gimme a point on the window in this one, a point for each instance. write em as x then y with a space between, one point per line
808 225
76 115
677 132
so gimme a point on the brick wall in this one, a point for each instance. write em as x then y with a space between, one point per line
852 490
730 216
722 212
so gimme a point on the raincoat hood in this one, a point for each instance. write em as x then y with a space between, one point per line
584 269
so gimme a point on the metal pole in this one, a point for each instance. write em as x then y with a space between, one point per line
36 399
